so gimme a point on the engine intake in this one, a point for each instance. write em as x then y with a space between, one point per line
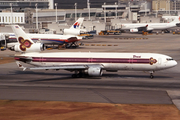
95 71
133 30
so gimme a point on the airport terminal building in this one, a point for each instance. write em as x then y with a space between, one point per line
19 5
45 12
49 10
9 18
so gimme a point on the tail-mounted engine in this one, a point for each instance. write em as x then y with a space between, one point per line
71 32
35 47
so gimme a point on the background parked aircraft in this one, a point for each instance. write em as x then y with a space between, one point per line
68 39
139 27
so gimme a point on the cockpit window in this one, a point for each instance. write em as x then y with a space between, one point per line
169 59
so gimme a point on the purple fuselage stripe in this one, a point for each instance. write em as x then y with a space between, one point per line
92 60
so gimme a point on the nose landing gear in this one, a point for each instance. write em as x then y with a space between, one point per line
151 74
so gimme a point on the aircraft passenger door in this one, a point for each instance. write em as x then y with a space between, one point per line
41 61
90 60
130 60
131 64
159 61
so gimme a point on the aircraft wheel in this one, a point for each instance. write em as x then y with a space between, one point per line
74 75
151 76
81 75
68 45
77 75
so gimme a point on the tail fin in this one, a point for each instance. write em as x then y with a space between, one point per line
176 20
77 24
25 42
19 33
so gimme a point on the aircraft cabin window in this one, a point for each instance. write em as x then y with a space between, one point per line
169 59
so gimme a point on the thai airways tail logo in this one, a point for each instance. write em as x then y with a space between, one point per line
76 25
24 43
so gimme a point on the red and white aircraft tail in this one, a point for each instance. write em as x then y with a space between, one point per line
176 20
75 29
77 24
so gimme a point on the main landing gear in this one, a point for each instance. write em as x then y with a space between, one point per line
78 74
72 45
151 74
165 31
69 45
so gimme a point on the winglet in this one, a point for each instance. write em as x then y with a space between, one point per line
20 66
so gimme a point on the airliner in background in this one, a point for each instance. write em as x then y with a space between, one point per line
68 39
139 27
85 63
171 18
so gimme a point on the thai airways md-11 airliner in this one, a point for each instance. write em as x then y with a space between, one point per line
86 63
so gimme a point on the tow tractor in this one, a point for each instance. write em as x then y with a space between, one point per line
110 32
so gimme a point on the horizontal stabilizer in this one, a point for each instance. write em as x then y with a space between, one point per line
20 66
60 67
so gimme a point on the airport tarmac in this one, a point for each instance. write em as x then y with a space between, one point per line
124 87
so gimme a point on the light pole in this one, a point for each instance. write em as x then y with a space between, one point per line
56 11
11 13
87 3
169 7
145 8
156 9
116 9
166 6
75 11
129 11
36 16
175 6
104 13
89 10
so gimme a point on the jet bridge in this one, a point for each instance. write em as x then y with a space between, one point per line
4 38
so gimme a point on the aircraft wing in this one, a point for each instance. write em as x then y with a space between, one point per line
61 67
72 39
178 24
142 28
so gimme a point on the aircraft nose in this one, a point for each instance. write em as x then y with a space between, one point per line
173 63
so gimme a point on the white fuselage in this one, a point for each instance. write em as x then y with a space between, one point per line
50 38
109 61
170 18
151 26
